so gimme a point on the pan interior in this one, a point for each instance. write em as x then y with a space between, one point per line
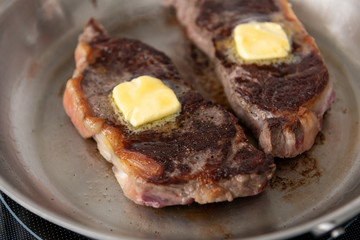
47 165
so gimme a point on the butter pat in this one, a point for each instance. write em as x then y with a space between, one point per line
261 40
145 99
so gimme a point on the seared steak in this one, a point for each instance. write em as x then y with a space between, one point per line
202 155
281 101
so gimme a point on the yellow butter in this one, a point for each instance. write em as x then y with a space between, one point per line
145 99
261 40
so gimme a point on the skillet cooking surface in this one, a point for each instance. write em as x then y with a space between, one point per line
48 168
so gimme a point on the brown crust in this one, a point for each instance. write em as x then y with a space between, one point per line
280 86
196 144
275 87
220 17
77 109
282 101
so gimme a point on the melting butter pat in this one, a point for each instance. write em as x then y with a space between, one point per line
261 40
145 99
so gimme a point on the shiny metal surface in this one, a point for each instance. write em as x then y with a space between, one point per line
48 168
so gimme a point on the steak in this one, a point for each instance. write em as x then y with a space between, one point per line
281 101
202 155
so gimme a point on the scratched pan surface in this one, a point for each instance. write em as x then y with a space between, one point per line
48 168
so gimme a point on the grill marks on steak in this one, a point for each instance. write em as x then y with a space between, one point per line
202 155
282 102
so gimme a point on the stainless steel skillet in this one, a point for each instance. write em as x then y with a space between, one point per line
48 168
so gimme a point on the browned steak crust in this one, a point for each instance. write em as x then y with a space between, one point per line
281 87
220 17
201 154
123 59
282 101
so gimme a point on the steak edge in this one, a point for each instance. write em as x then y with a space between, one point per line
282 102
202 155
